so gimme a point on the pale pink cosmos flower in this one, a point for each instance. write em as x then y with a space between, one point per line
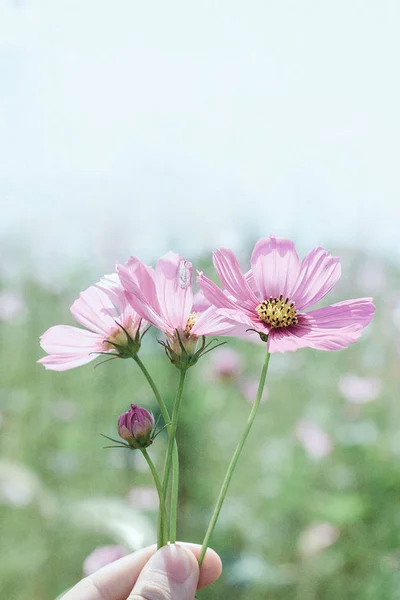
315 441
360 390
102 556
164 297
102 312
273 296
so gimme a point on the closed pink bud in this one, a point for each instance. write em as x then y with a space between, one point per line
136 426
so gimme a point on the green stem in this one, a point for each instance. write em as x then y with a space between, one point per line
168 460
160 401
174 501
234 461
162 537
167 420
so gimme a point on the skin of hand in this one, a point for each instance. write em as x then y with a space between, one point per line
171 573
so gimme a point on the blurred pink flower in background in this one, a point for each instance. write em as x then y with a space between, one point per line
315 441
101 311
317 537
102 556
360 390
19 485
12 307
372 276
271 298
143 498
249 389
225 363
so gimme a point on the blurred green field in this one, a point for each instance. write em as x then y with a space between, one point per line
62 494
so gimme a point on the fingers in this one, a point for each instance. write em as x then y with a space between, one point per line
171 573
211 567
115 581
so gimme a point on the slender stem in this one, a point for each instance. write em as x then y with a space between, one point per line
168 459
167 421
160 401
174 499
162 537
234 461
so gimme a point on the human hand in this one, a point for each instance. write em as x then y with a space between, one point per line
171 573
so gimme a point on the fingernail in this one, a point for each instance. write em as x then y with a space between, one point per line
175 561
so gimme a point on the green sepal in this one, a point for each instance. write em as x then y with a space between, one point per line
185 359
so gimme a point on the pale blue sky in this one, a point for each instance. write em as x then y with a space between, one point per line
130 126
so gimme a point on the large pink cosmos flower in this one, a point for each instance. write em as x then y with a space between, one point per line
102 312
272 297
164 297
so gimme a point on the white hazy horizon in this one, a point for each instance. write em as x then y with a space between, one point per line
131 127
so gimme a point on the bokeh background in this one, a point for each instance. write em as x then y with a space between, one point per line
135 127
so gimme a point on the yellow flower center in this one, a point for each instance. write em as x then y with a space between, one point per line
190 323
277 312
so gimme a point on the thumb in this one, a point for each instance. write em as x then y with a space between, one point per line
172 573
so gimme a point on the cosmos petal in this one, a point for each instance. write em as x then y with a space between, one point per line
275 266
214 294
94 310
140 302
173 277
319 273
331 328
230 273
64 362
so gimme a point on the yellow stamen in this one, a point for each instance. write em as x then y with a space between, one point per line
190 323
277 312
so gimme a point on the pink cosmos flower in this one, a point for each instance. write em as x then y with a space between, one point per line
102 556
102 312
315 441
164 297
273 296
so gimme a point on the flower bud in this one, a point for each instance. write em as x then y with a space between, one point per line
136 426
